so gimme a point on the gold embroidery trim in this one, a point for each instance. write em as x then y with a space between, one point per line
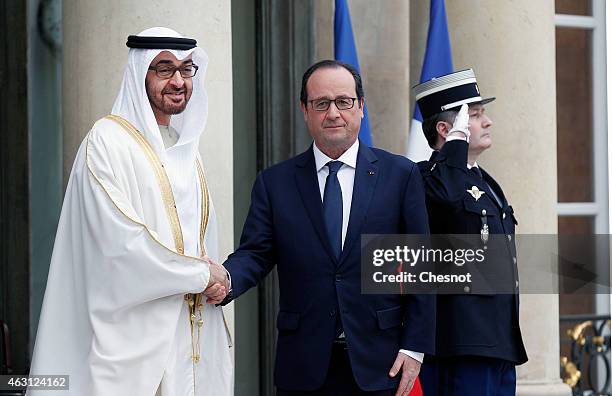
205 207
194 301
162 179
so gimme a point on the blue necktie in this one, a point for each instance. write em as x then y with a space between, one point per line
332 207
476 170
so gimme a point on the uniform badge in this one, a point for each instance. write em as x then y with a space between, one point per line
484 233
475 192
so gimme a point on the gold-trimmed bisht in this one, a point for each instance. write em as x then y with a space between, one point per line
193 301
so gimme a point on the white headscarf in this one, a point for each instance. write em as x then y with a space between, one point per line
133 105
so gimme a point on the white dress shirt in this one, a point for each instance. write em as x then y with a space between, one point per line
346 177
169 135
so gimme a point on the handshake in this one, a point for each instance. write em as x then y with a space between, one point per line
218 284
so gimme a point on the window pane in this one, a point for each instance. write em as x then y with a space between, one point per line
576 225
573 7
574 115
573 304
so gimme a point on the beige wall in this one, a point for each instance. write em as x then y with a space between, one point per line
514 59
94 57
381 31
511 47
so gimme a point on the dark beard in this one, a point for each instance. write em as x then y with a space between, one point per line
172 109
167 108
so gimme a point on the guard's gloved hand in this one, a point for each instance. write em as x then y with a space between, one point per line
461 124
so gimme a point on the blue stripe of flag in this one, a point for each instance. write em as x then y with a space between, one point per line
438 56
345 51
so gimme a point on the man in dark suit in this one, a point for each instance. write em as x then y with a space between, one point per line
306 217
478 339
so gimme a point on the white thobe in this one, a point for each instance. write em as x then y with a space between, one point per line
114 316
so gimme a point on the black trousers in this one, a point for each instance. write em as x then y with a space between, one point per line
339 381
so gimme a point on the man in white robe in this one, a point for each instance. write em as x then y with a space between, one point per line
124 311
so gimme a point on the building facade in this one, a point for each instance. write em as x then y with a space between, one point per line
545 62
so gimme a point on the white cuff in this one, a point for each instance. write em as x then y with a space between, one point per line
418 356
458 136
229 280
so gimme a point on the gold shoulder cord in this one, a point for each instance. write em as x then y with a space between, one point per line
194 301
205 209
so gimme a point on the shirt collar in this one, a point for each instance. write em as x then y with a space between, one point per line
472 166
349 157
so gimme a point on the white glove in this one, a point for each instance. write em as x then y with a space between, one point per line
461 124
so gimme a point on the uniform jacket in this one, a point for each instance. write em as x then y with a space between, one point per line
483 324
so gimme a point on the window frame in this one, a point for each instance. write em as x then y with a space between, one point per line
599 208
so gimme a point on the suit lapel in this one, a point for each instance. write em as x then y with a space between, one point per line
366 175
308 186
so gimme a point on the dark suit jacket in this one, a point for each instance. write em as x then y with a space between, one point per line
285 227
478 325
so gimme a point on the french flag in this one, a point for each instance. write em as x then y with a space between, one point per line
438 62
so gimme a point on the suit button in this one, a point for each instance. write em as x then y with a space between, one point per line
466 289
504 216
484 212
332 312
509 237
338 278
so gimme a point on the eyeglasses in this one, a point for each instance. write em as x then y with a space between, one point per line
341 103
167 70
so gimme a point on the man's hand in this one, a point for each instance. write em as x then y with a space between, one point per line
462 123
218 283
215 294
410 370
218 274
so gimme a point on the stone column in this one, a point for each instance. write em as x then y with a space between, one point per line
511 47
95 55
381 30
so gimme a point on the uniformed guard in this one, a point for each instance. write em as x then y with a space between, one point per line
478 339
